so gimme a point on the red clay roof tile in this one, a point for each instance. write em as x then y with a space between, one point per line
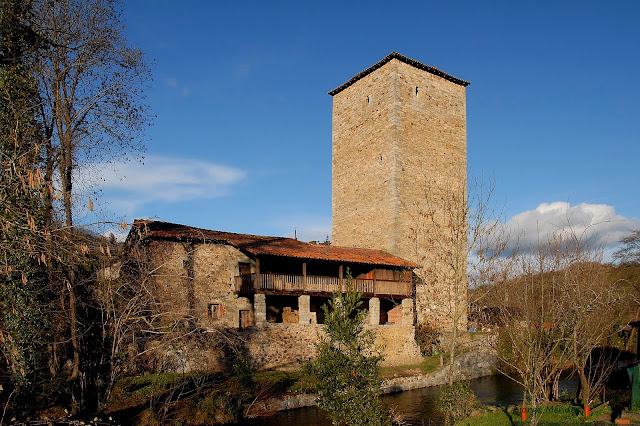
274 246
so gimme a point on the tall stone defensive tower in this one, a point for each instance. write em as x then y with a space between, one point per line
399 143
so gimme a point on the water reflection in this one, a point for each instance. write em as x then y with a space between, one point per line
497 390
418 406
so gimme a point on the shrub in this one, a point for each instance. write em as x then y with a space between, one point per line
347 370
428 337
457 401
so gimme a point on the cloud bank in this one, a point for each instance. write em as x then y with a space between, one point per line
161 179
598 222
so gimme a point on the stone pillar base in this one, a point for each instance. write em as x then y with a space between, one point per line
407 312
260 308
304 309
374 311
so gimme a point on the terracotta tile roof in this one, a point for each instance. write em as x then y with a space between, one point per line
274 246
406 60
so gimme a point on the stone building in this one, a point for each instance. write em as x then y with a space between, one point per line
399 165
274 288
399 154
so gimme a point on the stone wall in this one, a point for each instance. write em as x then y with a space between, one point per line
399 344
277 346
399 152
191 277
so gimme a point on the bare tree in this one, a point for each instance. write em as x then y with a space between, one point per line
91 85
590 305
458 238
629 252
531 347
563 307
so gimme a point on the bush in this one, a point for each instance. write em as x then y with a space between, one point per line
457 401
428 337
243 379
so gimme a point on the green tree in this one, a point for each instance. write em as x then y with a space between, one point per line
23 325
347 370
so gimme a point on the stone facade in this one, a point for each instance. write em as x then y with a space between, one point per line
196 281
282 347
399 151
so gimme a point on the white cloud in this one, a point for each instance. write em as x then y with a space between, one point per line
171 82
598 222
174 84
164 179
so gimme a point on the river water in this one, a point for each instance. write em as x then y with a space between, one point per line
417 406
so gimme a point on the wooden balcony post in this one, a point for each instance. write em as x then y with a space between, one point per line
256 279
341 278
373 285
304 275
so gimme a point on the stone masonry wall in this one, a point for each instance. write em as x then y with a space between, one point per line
399 150
280 346
192 276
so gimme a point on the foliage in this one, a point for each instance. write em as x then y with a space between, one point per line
347 370
244 378
428 336
49 319
556 414
457 401
23 321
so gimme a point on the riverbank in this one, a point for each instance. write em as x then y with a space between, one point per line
469 365
550 414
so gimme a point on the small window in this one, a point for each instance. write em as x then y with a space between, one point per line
368 100
244 268
215 311
417 90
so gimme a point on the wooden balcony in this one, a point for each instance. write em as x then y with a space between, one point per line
320 286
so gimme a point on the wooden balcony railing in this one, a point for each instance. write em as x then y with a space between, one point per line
288 283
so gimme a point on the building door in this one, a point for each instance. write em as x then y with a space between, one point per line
245 318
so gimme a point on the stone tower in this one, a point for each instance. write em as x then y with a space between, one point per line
399 149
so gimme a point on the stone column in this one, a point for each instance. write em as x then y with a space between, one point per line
407 311
260 308
374 311
304 309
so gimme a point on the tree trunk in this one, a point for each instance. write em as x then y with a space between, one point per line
585 389
452 349
74 332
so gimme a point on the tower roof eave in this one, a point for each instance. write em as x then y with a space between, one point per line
406 60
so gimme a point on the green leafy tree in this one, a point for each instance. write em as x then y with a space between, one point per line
347 370
23 325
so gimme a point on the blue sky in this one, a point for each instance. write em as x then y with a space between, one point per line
242 138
